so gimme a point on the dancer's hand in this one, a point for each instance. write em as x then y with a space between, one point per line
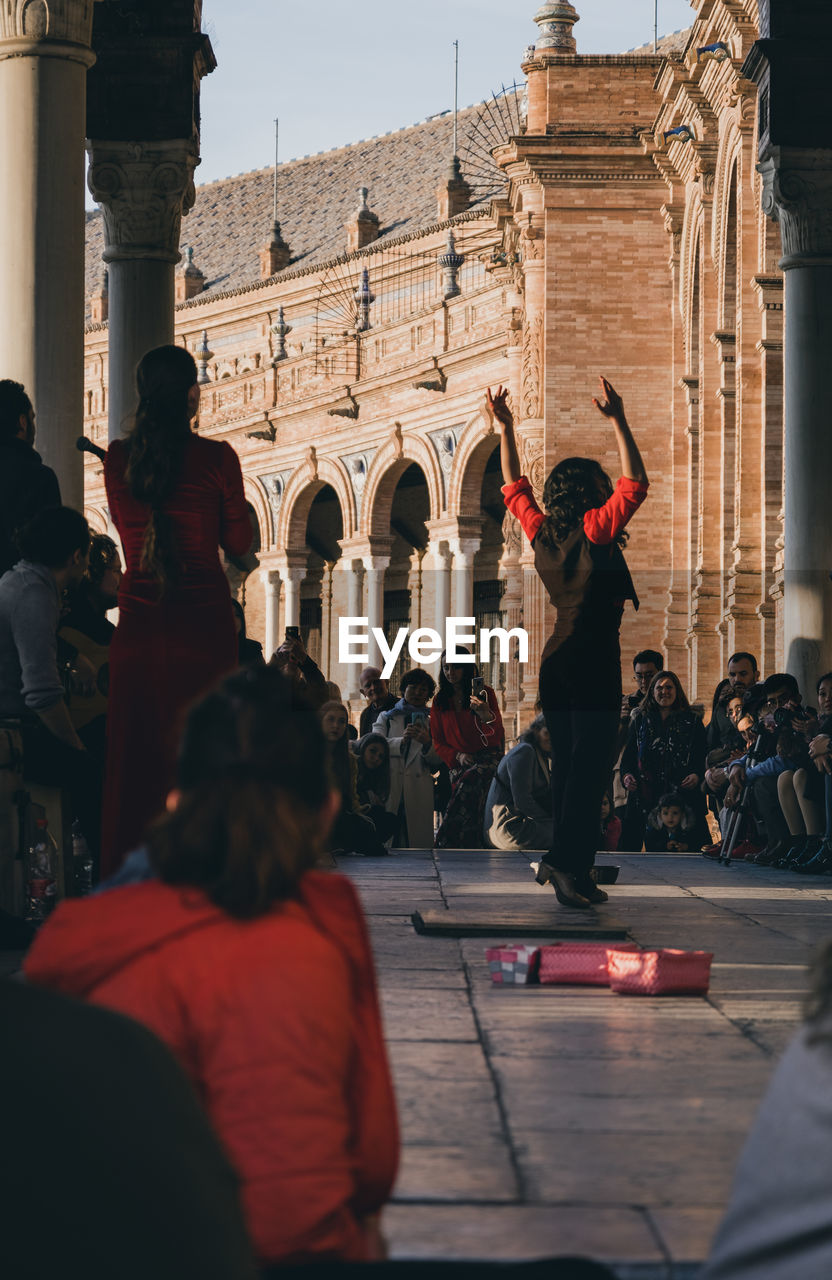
690 781
612 406
498 407
629 781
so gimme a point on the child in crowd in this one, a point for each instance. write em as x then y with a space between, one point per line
670 826
353 830
372 755
610 826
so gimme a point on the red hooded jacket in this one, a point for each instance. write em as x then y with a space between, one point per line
276 1021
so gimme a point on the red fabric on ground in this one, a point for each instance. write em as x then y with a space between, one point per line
276 1021
165 654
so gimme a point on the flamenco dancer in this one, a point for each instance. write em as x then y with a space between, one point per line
577 541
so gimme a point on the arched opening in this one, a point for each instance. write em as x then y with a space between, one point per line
403 581
324 529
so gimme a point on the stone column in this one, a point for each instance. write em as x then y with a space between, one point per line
464 550
798 192
144 188
271 583
44 56
354 570
375 568
293 577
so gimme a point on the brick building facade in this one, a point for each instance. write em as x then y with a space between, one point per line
345 352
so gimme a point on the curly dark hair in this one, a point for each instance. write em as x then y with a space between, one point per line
573 487
156 447
445 692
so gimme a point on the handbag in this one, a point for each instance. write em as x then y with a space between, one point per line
580 964
665 972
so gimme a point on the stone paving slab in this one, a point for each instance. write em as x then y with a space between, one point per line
539 1121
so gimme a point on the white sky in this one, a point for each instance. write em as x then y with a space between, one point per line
336 72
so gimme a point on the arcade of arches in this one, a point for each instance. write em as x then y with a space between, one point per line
629 230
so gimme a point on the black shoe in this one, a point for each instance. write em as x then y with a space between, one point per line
820 865
802 851
563 883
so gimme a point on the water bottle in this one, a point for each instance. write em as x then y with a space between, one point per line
81 862
41 874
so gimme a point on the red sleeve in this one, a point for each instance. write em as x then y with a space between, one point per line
520 501
235 522
602 525
446 753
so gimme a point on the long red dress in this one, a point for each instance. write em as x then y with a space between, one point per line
167 652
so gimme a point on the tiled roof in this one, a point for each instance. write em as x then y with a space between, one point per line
676 42
231 220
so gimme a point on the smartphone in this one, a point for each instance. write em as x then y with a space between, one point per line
293 633
419 717
477 686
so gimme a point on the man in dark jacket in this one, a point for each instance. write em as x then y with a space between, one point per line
26 485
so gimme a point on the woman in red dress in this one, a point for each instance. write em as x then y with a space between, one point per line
174 499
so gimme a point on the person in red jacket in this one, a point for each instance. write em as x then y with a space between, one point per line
256 970
577 541
467 731
174 499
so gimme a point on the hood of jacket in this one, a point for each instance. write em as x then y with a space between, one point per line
88 940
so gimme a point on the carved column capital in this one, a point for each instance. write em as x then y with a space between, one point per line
797 193
59 28
144 189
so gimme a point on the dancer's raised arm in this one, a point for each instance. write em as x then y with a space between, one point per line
509 457
612 406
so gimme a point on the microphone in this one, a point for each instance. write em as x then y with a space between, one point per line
83 445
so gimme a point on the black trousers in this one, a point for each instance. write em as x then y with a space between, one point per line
583 751
52 763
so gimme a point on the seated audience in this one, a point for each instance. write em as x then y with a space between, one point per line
256 971
249 652
294 662
353 830
145 1188
610 827
646 664
778 696
372 754
518 808
670 826
413 761
27 487
54 550
467 731
742 675
665 752
378 695
88 631
777 1225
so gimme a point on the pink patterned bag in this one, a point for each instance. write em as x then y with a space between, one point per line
512 965
659 973
582 964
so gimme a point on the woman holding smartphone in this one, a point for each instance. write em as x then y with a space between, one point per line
413 761
577 540
467 732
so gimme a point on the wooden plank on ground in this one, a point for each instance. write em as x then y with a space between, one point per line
515 922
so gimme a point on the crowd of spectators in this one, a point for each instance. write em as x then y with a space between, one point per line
231 834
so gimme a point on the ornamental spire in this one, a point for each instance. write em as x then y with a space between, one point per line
556 20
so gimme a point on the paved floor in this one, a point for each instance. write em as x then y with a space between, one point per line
552 1120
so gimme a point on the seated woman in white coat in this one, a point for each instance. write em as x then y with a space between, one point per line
518 808
413 761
